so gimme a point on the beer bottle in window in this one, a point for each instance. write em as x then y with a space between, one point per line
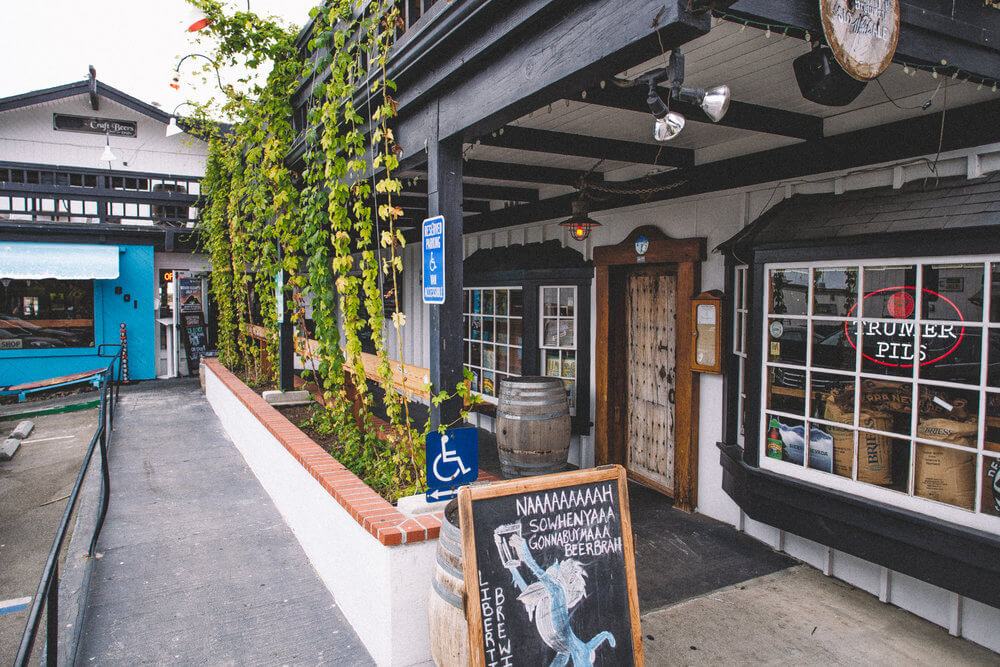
775 447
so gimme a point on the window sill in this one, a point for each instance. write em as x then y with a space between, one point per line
953 557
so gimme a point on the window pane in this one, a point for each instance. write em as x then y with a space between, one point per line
550 301
476 328
550 332
890 292
832 348
888 404
515 361
787 341
489 384
995 292
516 303
566 301
833 397
501 358
569 364
477 357
835 292
551 364
488 329
953 292
785 395
951 353
789 291
45 314
515 332
990 501
831 449
888 348
477 301
785 439
501 330
948 415
466 302
946 475
993 374
992 423
500 302
487 302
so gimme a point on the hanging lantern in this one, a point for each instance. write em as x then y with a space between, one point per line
579 223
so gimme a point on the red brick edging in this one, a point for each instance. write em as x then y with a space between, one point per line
372 512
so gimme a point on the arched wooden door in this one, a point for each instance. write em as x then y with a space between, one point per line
647 396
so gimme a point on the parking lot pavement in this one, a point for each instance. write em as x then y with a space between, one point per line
33 489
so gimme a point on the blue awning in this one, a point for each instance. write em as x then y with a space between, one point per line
67 261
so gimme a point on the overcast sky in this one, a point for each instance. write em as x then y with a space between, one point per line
134 44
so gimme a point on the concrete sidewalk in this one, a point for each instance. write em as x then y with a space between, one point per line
198 566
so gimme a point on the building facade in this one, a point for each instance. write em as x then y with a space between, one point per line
97 214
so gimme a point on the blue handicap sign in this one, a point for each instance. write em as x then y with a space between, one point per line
452 461
432 232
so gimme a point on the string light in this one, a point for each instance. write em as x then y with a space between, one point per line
909 68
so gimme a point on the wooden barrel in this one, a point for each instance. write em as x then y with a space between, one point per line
449 630
533 426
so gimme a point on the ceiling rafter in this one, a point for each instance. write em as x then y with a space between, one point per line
581 145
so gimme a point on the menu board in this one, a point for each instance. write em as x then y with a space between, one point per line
550 570
195 338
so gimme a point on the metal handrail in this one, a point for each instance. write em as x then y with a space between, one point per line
47 594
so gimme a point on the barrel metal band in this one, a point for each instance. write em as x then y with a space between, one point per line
448 596
450 569
551 415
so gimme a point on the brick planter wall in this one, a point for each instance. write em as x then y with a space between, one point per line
376 561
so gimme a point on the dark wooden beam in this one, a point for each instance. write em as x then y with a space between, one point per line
965 127
964 34
444 189
478 191
414 202
581 145
511 58
742 115
504 171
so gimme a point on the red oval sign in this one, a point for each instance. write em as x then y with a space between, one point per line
893 343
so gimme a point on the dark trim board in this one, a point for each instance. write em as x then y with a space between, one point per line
598 148
164 240
958 559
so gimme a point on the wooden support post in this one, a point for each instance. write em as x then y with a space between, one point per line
444 190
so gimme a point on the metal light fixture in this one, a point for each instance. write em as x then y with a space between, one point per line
107 155
172 126
668 123
580 223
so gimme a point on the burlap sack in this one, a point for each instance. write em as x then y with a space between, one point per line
944 474
874 451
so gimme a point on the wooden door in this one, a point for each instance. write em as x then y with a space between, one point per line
651 332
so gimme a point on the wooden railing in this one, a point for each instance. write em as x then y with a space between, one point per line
407 379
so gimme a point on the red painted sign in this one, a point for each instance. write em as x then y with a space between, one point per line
894 343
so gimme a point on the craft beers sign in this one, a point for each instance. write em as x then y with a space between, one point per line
862 34
895 343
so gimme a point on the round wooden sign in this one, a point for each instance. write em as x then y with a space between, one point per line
862 34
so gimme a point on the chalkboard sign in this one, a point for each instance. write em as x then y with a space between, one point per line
550 571
195 338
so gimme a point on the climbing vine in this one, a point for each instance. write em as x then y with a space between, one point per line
332 229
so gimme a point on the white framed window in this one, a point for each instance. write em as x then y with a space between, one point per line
740 311
882 378
557 335
493 319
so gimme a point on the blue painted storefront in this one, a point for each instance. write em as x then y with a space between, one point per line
137 279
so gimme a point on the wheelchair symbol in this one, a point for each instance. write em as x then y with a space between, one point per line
449 456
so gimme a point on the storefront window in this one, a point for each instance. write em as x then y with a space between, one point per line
557 337
49 313
493 336
886 375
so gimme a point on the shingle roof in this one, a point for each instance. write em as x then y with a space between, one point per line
953 203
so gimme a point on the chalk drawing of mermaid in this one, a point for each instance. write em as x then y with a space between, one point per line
550 601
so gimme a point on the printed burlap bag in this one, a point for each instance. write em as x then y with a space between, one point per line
942 473
874 450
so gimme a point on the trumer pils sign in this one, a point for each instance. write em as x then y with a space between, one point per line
894 343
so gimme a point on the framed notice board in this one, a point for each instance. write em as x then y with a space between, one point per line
195 338
550 570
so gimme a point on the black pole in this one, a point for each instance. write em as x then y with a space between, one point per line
444 190
52 621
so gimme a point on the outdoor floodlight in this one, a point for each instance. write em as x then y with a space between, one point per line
173 128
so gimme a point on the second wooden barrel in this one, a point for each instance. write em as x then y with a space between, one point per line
449 630
533 426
